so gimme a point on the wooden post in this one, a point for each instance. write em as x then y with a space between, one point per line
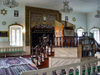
55 41
79 51
62 41
74 70
80 70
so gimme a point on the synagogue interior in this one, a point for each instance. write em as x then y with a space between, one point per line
50 37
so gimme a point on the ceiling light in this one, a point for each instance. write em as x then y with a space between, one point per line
66 7
98 14
98 11
10 3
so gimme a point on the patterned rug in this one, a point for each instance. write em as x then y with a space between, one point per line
16 70
7 62
15 65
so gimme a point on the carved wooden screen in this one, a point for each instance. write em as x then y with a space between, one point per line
34 16
36 19
51 19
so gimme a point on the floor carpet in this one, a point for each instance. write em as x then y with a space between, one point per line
15 65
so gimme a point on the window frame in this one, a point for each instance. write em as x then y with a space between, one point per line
78 29
97 29
21 34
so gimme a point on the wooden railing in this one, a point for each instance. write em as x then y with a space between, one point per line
39 53
90 67
67 41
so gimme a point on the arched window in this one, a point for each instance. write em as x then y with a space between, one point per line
80 31
96 34
16 35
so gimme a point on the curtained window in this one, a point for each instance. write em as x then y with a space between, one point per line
96 34
16 36
80 31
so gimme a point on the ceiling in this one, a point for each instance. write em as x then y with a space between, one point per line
84 6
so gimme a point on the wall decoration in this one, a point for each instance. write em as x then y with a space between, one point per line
16 13
3 33
3 22
73 19
3 11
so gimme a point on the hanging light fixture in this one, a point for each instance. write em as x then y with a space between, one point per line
66 7
10 3
98 14
98 11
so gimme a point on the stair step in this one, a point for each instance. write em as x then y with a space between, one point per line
42 64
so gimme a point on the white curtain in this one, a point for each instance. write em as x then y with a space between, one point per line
96 33
16 38
79 32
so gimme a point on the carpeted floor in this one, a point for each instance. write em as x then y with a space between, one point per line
15 65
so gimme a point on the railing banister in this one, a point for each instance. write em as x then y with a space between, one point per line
75 70
96 67
40 73
67 71
86 69
58 72
91 68
49 72
80 70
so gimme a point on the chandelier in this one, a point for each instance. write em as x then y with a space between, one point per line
98 14
98 11
10 3
66 7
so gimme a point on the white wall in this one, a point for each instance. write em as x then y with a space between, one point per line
10 19
81 19
92 21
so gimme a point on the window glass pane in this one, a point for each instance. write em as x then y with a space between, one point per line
21 37
16 36
13 37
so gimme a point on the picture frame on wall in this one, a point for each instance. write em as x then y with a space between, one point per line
16 13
